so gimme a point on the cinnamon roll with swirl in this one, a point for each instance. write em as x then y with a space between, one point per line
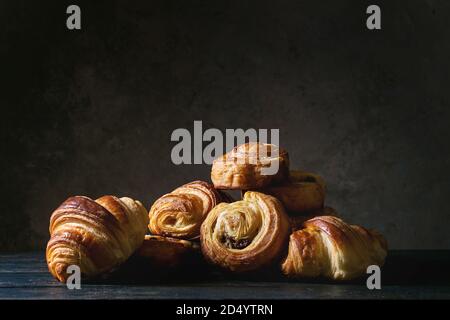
180 213
245 235
249 166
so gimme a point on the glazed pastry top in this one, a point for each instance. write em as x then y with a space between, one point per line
251 165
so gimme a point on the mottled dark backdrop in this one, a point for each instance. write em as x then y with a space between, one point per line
91 112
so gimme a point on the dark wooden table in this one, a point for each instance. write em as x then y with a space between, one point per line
406 275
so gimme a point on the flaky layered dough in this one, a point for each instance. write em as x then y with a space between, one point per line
302 193
94 235
329 247
164 252
245 235
243 167
179 214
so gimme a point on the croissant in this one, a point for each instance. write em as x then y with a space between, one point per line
95 235
161 253
302 193
245 235
180 213
247 167
330 248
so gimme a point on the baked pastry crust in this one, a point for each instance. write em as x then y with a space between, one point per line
303 192
328 247
95 235
180 213
244 166
161 253
245 235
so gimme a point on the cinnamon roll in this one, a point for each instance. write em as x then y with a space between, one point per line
180 213
245 235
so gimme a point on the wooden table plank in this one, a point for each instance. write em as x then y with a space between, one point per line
294 291
31 262
406 275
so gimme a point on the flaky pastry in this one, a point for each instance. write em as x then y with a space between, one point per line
96 236
180 213
245 235
249 166
164 252
303 192
328 247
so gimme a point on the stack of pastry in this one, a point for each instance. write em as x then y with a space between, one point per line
100 235
282 212
280 222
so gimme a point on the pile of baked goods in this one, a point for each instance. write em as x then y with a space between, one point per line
279 224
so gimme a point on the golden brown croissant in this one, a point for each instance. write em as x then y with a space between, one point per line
95 235
163 252
249 166
302 193
180 213
245 235
329 247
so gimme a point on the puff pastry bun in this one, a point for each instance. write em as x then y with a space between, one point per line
95 235
245 235
302 193
245 166
164 252
180 213
328 247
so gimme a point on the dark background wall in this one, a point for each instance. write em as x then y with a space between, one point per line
91 112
